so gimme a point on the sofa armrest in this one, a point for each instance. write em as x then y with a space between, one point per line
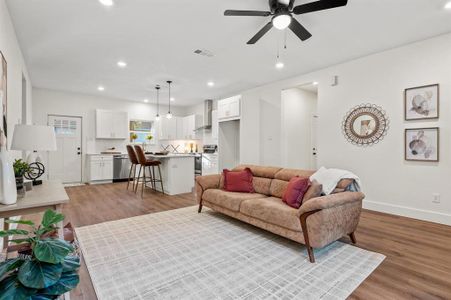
330 201
204 183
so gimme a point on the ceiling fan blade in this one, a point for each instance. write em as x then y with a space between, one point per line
259 34
299 30
291 5
318 5
247 13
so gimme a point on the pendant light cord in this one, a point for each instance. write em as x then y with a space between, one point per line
158 99
169 83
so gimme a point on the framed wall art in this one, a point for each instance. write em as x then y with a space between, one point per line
3 93
422 144
421 103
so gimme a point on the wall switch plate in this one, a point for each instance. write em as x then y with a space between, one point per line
435 198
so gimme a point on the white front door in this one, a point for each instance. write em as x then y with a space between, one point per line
65 163
313 142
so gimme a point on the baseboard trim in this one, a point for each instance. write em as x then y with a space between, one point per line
425 215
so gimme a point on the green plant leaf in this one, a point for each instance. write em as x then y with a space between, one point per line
24 222
39 275
52 250
71 263
10 232
20 241
42 297
10 265
51 217
11 289
67 282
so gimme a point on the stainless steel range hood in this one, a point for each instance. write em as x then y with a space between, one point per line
208 109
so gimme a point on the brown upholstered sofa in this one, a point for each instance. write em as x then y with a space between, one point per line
317 223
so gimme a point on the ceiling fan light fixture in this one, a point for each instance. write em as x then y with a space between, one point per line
282 21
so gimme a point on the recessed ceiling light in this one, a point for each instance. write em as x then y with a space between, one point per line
172 99
448 5
210 83
100 88
146 100
280 65
121 64
107 2
315 83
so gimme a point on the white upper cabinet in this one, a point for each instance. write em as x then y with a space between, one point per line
190 124
179 128
168 128
229 109
111 124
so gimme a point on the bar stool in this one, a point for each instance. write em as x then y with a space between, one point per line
144 162
135 163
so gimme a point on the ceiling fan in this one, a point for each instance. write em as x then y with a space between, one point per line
282 15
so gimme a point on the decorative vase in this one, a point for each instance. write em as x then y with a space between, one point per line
20 186
8 192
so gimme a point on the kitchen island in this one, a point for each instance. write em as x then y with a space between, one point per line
177 171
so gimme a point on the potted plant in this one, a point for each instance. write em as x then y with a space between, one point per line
149 138
45 268
133 137
20 168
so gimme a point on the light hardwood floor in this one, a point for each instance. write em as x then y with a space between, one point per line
418 263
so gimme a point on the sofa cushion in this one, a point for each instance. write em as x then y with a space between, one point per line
262 185
287 174
273 211
296 189
229 200
238 181
260 171
277 188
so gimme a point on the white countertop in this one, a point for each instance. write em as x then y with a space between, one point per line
187 155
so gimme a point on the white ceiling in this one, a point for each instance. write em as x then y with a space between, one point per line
74 45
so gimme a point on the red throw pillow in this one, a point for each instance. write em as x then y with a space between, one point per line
238 181
295 191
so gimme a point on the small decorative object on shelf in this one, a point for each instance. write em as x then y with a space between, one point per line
20 169
365 125
46 266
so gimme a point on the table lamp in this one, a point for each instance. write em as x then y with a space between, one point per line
34 138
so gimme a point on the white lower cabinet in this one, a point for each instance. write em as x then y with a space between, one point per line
100 168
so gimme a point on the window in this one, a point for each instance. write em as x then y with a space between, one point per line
141 129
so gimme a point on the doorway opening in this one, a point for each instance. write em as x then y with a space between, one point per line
65 164
299 126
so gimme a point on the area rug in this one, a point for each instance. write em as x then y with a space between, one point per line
180 254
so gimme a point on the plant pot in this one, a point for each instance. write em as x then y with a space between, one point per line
20 186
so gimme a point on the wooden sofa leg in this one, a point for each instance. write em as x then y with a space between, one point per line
200 208
305 233
352 236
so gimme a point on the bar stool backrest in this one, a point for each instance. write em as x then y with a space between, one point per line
141 156
132 155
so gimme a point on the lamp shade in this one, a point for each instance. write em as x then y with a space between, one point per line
34 138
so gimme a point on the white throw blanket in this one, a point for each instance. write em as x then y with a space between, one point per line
329 178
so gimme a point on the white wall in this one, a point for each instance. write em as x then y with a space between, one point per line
72 104
10 48
390 183
298 108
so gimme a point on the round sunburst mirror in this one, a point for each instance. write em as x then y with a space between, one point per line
365 125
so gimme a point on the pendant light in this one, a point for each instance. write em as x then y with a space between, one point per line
169 115
157 117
